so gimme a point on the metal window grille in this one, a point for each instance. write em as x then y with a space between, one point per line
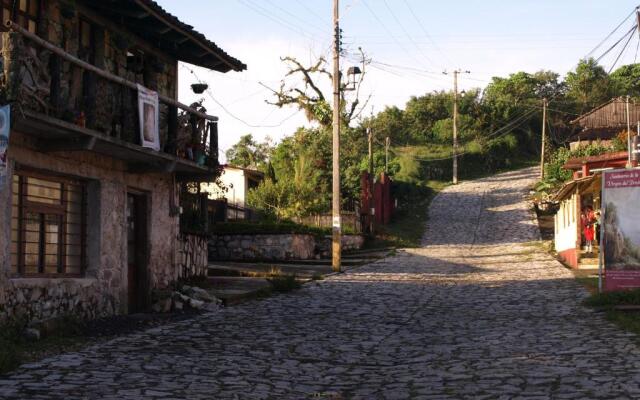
48 226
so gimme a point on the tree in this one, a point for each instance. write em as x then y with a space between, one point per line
310 98
248 153
626 80
588 86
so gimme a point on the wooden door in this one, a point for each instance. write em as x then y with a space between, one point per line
137 245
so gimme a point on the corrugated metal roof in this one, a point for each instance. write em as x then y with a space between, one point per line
612 114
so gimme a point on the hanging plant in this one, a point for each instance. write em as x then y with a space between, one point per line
68 8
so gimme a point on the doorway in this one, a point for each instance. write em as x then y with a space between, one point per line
137 250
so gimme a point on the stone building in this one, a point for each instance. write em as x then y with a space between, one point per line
90 223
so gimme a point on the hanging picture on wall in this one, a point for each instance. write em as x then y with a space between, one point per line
5 129
149 115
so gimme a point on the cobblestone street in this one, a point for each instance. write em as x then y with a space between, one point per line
479 312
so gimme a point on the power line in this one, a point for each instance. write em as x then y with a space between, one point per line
424 30
384 26
622 51
611 33
411 39
280 21
629 32
232 115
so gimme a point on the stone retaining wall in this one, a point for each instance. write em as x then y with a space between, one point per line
192 256
275 247
43 299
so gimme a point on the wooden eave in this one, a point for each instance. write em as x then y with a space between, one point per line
599 161
146 19
51 135
570 187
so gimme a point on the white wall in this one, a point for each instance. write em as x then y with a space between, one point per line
566 224
235 182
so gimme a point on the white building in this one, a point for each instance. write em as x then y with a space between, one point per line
235 183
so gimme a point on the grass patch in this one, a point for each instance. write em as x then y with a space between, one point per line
268 227
589 282
629 320
16 349
612 299
284 283
408 224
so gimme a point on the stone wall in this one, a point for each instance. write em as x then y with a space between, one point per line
192 256
103 288
275 247
43 299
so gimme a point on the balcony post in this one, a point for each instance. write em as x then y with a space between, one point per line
11 48
172 134
213 143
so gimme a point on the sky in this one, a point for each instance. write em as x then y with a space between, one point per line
410 42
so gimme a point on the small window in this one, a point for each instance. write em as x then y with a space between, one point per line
48 225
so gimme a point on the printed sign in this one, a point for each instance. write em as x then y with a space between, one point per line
621 229
5 129
149 115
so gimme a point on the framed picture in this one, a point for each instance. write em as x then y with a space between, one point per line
149 115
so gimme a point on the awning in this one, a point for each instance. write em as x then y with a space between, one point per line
569 188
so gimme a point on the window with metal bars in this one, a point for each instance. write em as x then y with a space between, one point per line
48 226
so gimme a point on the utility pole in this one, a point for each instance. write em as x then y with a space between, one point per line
336 249
387 143
370 182
455 122
628 136
544 136
455 126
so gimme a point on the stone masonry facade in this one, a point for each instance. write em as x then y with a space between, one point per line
102 287
276 246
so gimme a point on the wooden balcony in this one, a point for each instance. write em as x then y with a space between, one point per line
66 104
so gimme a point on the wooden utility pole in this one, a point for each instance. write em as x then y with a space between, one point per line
455 126
387 143
628 136
336 249
544 136
455 122
370 139
370 182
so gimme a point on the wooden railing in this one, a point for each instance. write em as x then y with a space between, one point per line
45 79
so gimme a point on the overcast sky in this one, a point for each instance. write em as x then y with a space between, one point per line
411 42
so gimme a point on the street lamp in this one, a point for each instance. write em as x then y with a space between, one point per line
353 76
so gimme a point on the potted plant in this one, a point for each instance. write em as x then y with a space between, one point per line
199 88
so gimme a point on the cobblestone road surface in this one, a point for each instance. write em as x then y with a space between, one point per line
478 312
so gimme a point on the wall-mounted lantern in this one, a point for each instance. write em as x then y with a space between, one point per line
353 77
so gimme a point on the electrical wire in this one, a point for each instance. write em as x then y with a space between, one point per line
611 33
424 30
631 36
384 26
411 39
629 32
232 115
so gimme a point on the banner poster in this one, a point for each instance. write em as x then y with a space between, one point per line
621 229
149 115
5 129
